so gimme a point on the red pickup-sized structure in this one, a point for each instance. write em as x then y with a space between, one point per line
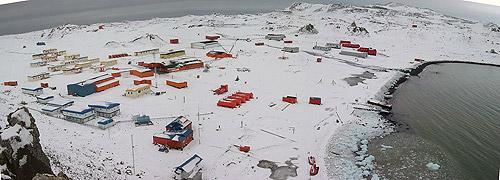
290 99
315 100
226 103
221 90
10 83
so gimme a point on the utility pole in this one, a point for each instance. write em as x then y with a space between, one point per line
133 158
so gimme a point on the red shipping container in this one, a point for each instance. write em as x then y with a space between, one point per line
224 103
345 42
318 60
372 52
250 95
355 45
238 97
44 85
315 100
116 74
346 45
259 44
363 49
237 101
174 41
212 37
10 83
288 41
414 26
290 99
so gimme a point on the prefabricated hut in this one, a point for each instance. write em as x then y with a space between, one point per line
78 114
10 83
50 58
291 49
218 54
47 51
172 54
212 37
68 62
94 60
138 90
177 139
109 63
174 41
142 81
106 123
38 56
71 57
38 77
44 99
147 52
38 64
84 64
204 44
117 55
106 109
188 168
59 53
322 48
81 59
142 73
176 83
74 70
106 85
277 37
354 53
32 91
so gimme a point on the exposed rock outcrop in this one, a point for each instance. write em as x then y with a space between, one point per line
308 29
21 155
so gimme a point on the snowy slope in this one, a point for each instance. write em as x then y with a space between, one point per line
84 152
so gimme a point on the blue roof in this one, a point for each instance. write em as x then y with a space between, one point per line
83 111
32 89
104 122
104 106
182 134
44 97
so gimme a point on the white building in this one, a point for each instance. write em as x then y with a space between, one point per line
138 90
291 49
56 68
78 114
60 103
277 37
38 64
51 110
354 53
334 45
38 77
205 44
44 99
32 91
106 109
188 168
105 123
322 48
147 52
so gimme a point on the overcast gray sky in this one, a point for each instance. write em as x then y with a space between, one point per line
42 14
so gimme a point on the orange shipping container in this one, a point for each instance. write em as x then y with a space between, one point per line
179 84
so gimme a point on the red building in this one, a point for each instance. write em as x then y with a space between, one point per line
290 99
315 100
178 134
142 73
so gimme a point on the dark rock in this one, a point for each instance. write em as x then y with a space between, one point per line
21 151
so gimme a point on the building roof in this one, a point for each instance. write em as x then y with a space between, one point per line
188 165
59 102
137 88
104 105
50 108
175 135
44 97
179 123
173 52
32 89
78 109
107 82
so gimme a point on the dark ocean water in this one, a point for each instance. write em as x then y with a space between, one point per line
452 112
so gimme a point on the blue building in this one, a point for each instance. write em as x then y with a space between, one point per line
60 103
106 109
81 89
105 123
78 114
51 110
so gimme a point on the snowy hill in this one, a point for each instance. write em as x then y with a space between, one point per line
332 132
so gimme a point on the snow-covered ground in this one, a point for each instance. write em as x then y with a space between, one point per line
84 152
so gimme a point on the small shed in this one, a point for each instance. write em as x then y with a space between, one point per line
44 99
142 72
142 81
186 169
10 83
276 37
174 41
333 45
354 53
212 37
172 54
106 109
290 99
147 52
141 119
138 90
38 77
322 48
205 44
218 54
105 123
32 91
78 114
176 83
291 49
345 42
315 100
259 44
